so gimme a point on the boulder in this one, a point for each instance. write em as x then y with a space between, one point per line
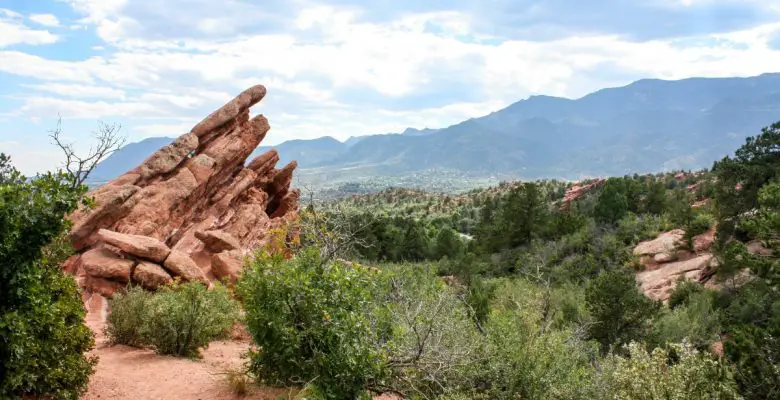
102 286
150 275
227 265
136 245
103 263
169 157
704 241
666 242
659 283
180 264
218 241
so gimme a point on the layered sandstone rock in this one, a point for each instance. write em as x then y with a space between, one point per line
666 260
193 203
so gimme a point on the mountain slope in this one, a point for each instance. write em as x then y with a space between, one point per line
648 125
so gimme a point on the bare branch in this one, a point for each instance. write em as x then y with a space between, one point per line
107 140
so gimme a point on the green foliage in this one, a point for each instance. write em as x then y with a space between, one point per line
125 322
311 321
448 244
182 318
683 291
740 178
433 344
620 312
695 319
649 376
179 319
41 313
756 353
613 202
523 359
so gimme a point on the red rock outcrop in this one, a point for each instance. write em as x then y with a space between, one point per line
665 261
193 204
578 190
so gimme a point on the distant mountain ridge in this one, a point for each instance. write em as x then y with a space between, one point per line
648 125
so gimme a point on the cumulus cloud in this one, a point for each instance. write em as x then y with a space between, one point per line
346 67
13 31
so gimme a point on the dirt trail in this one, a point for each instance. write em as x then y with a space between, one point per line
128 373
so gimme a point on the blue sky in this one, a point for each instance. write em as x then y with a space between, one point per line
344 67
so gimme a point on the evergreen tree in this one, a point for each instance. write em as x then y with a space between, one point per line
612 204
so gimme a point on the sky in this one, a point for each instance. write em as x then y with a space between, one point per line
344 68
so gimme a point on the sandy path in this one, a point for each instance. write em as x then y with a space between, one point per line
128 373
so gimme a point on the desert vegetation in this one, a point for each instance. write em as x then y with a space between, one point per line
522 290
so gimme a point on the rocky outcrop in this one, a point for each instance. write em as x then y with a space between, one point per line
578 190
192 202
665 260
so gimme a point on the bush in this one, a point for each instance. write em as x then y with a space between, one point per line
42 333
178 320
182 318
524 357
433 344
125 322
683 291
696 321
650 376
311 321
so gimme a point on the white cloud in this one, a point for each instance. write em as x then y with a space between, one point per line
79 91
45 19
13 31
329 72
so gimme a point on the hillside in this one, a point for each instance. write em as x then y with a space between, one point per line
649 125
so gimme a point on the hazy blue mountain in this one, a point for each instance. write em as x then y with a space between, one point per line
648 125
127 158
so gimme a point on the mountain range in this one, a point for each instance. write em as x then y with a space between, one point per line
649 125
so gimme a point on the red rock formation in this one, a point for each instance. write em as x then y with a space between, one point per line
577 190
665 260
193 202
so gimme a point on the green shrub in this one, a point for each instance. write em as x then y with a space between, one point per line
525 357
178 320
182 318
683 291
311 322
649 376
42 333
433 345
696 320
128 315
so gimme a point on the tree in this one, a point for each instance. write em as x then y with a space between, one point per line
612 204
448 244
77 167
656 198
740 178
620 312
41 314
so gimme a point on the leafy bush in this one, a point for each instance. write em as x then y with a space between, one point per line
696 320
433 344
179 319
42 331
524 358
182 318
683 291
649 376
125 322
311 321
